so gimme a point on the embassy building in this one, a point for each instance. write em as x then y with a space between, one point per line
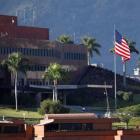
34 43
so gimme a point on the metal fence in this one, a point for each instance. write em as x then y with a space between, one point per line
121 127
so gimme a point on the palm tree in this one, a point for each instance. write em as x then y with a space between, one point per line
54 73
131 45
66 39
16 63
92 46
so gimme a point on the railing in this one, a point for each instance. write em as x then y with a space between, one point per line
123 127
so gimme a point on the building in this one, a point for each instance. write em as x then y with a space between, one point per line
34 43
66 127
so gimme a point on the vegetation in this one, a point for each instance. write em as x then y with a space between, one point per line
52 107
54 73
92 46
65 39
126 96
124 114
23 100
16 63
120 103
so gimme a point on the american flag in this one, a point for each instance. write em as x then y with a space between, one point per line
121 47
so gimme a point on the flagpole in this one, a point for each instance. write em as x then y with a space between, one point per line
115 70
124 74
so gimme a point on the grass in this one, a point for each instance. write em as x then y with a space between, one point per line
133 87
8 112
120 103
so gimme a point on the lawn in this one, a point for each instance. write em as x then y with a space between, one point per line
8 112
120 103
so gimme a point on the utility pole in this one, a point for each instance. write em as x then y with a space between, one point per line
107 99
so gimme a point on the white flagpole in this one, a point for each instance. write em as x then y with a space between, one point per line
115 71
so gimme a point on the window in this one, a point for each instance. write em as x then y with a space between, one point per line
11 129
0 129
51 127
88 126
52 53
71 126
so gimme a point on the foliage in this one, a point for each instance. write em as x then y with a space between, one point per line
120 95
124 114
56 72
92 45
126 96
50 107
65 39
16 63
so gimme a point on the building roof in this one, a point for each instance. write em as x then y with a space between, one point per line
70 87
70 116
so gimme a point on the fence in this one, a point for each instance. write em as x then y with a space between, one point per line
121 127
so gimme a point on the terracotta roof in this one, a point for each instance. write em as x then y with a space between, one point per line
70 116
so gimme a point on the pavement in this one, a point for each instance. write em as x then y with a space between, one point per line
88 110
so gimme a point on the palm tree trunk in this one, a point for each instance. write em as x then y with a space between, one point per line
53 93
126 125
88 60
16 78
55 88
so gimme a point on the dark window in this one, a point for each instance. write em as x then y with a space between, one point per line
88 126
74 56
49 53
11 129
0 129
71 126
51 127
52 53
46 52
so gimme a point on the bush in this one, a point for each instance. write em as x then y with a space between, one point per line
128 96
50 107
120 95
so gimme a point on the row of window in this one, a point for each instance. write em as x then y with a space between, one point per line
38 68
2 68
43 52
31 52
69 127
39 83
75 56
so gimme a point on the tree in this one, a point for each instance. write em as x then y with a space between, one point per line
66 39
124 114
50 107
138 64
92 46
54 73
16 63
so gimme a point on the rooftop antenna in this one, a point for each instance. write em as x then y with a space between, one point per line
24 15
33 18
13 20
16 13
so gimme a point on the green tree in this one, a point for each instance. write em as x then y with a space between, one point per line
16 63
92 46
54 73
50 107
124 114
66 39
138 64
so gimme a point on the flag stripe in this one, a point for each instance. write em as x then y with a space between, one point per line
121 47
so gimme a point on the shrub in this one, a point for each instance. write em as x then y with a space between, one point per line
50 107
120 95
128 96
